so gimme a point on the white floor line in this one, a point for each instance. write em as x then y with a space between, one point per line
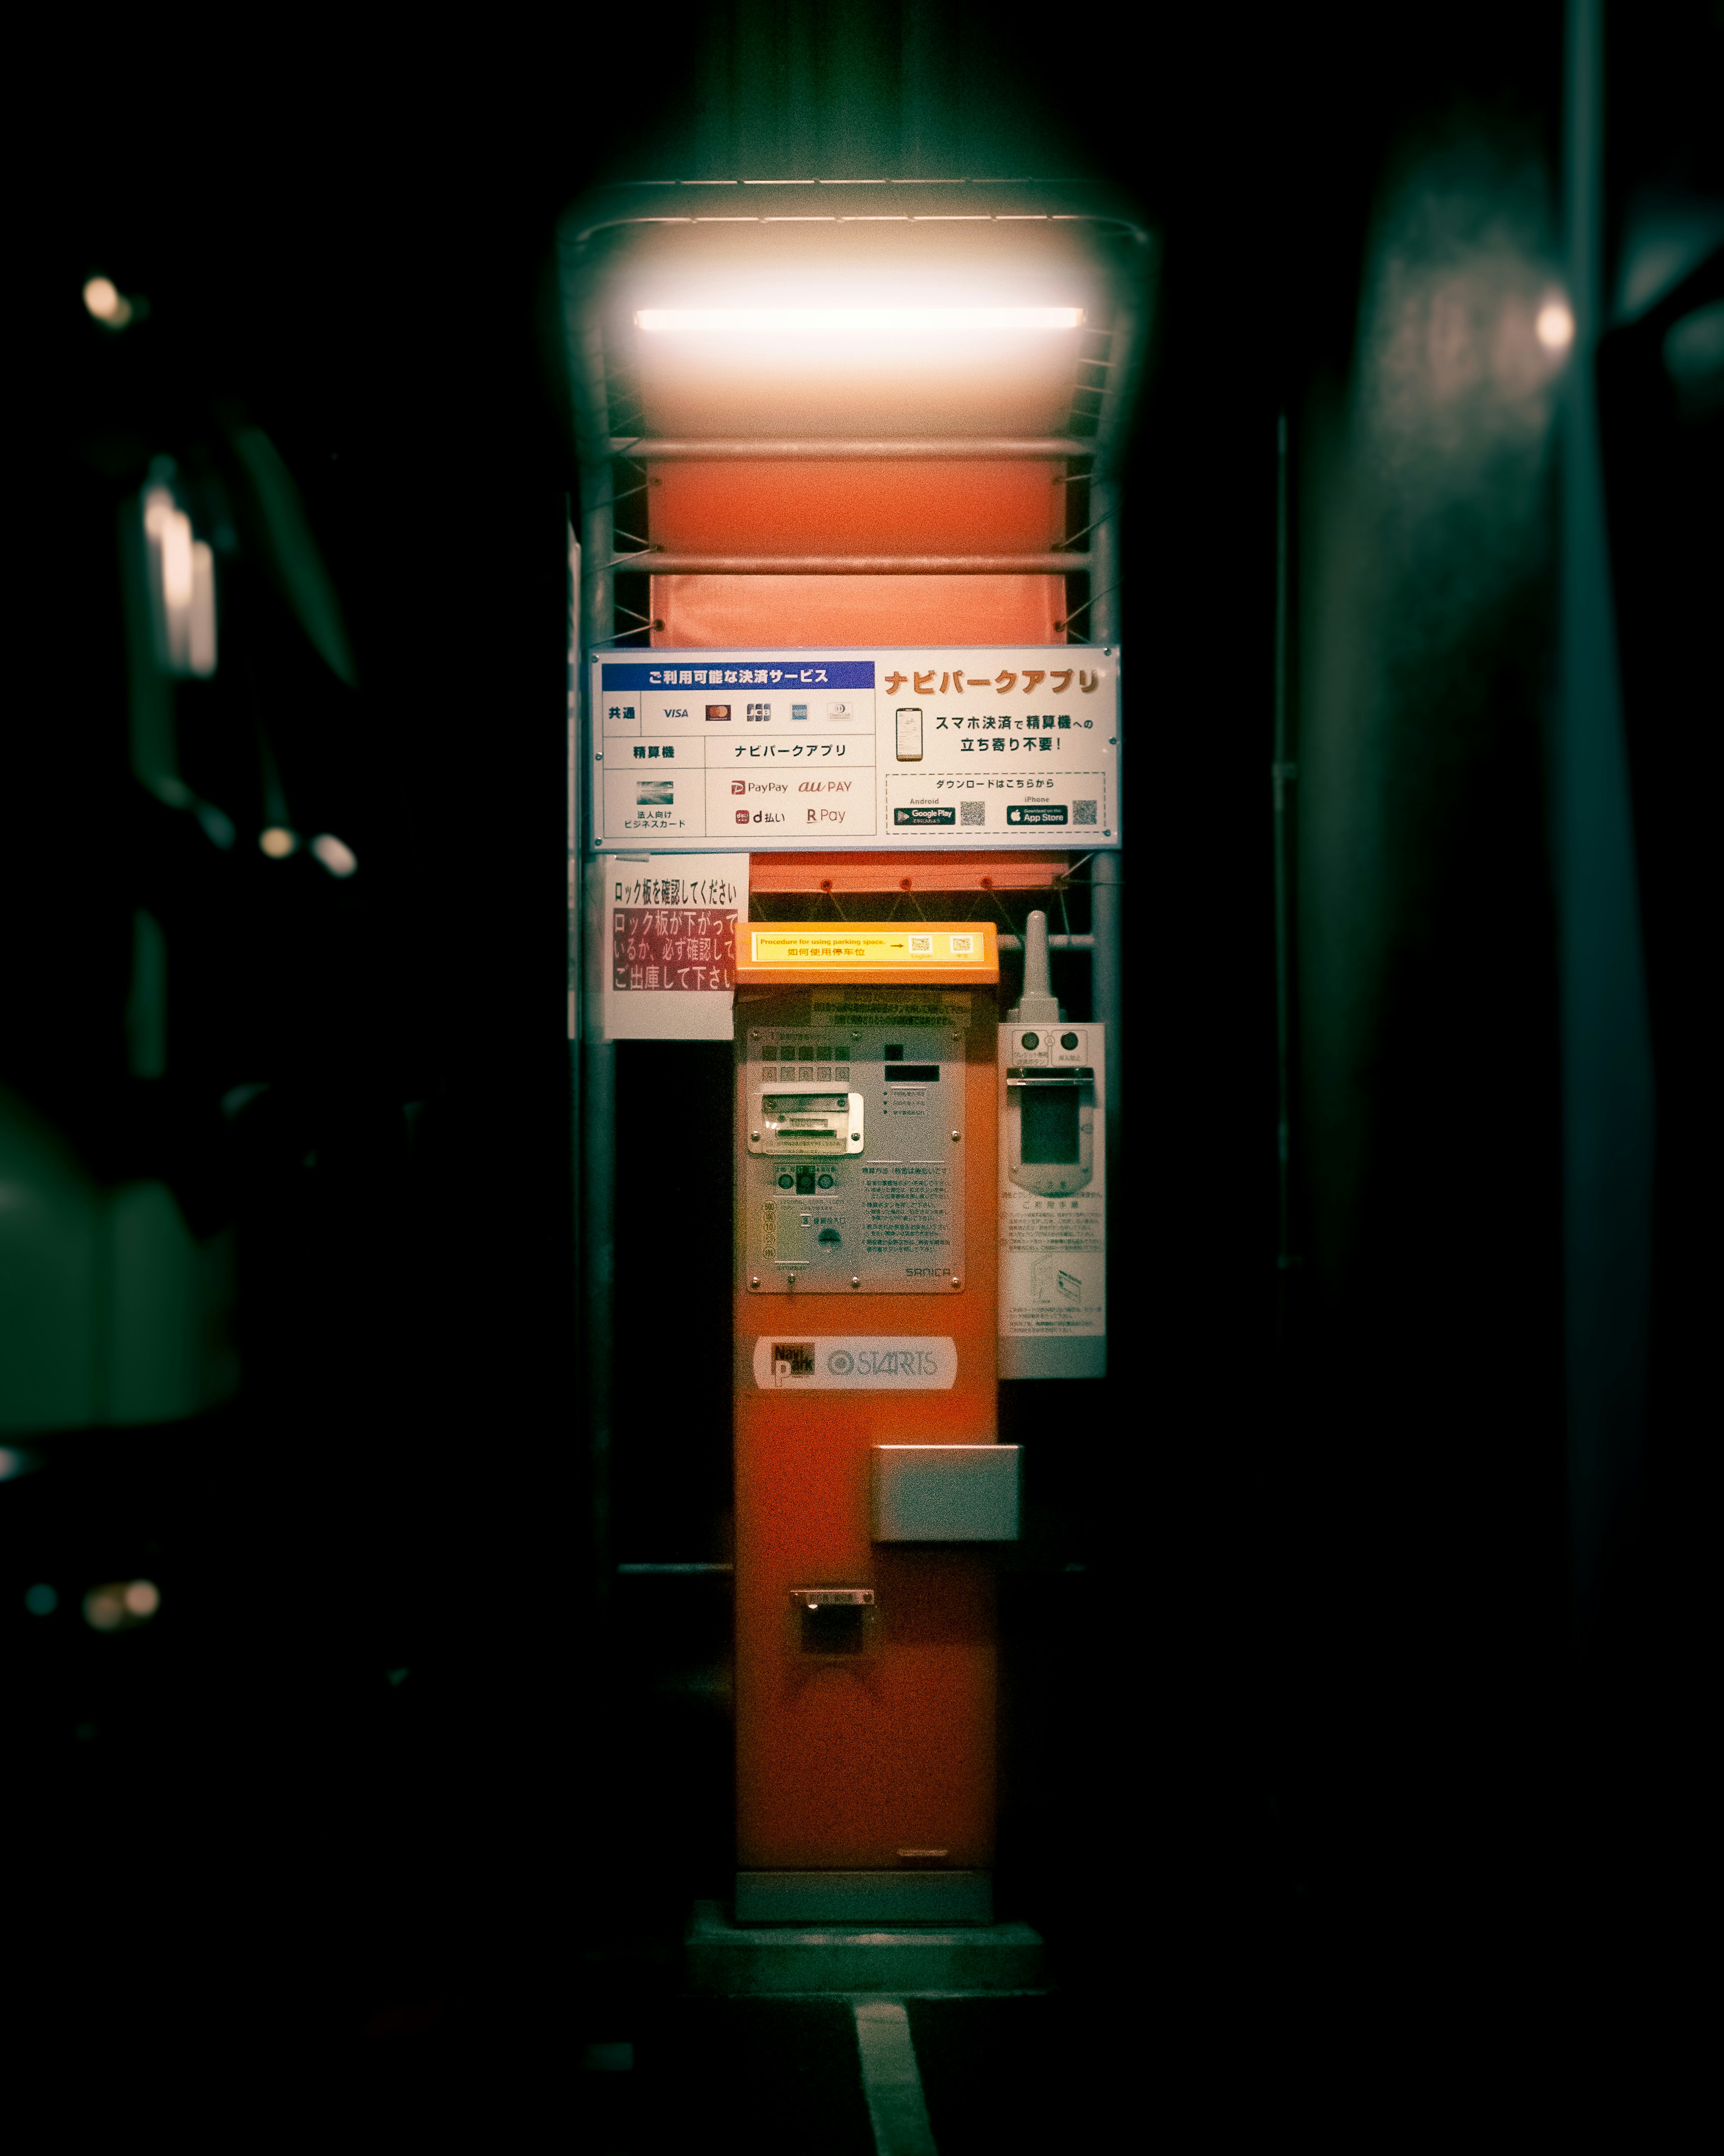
891 2081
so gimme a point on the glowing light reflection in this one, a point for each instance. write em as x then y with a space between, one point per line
104 299
120 1605
1555 326
183 580
339 859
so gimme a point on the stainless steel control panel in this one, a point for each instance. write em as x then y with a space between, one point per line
851 1167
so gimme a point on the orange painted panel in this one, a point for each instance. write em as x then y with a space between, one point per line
844 1761
905 508
719 614
906 871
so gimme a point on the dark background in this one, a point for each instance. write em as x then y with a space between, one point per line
1309 1749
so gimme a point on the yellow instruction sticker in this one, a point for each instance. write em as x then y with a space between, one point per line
908 945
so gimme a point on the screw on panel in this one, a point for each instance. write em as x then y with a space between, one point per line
755 1282
954 1279
955 1136
754 1137
855 1279
791 1278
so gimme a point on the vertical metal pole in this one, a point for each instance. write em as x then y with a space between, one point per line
1126 347
1608 1085
598 1058
1126 351
1104 610
599 545
1282 773
1106 908
593 443
598 1238
576 955
1106 869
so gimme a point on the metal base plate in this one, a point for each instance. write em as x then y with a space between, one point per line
733 1960
864 1897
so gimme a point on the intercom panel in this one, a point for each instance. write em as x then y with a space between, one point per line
1053 1200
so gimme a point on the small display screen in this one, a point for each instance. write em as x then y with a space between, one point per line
1050 1125
806 1104
912 1074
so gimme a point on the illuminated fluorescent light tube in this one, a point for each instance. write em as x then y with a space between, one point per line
820 321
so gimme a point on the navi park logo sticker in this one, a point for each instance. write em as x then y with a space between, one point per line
915 1364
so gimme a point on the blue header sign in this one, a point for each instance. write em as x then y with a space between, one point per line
789 674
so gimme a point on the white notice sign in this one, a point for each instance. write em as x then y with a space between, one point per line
661 941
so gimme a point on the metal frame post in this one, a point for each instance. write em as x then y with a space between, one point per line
598 1234
1106 869
1283 771
597 1087
1106 993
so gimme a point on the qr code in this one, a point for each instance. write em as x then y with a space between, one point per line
1083 811
972 812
